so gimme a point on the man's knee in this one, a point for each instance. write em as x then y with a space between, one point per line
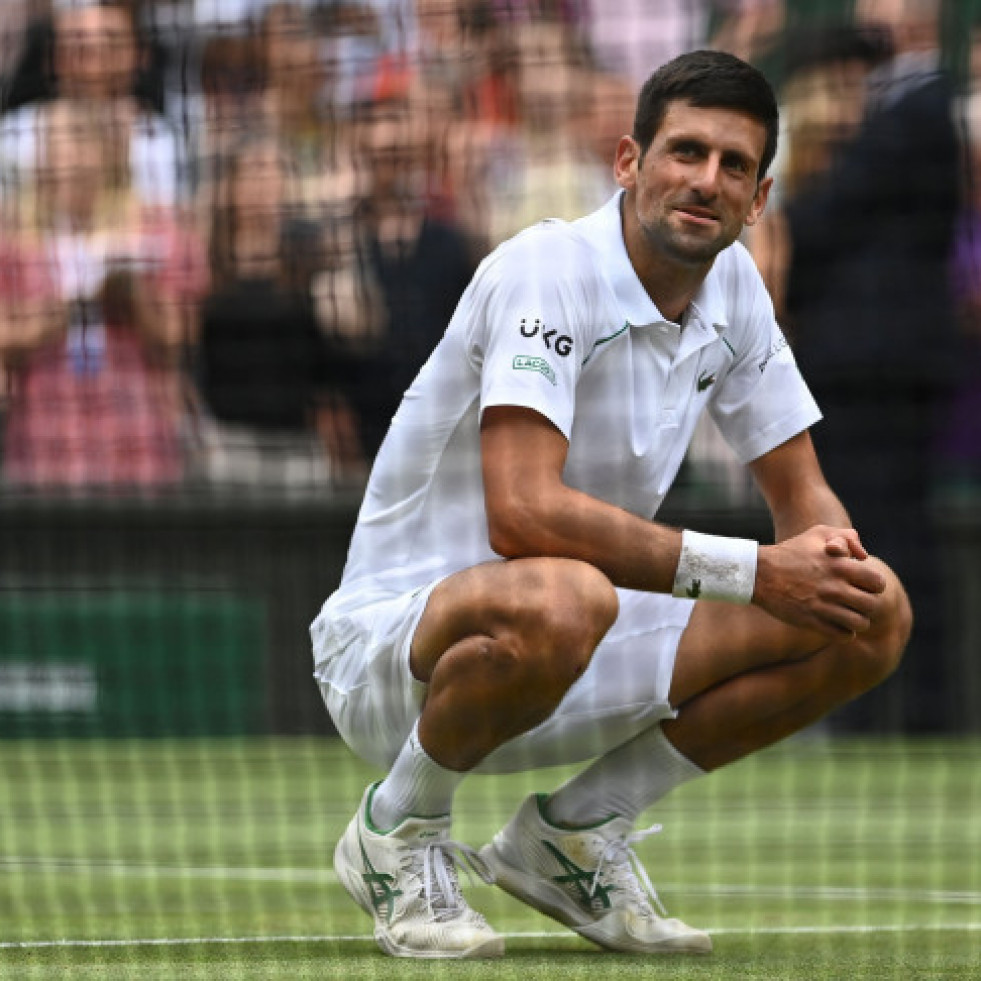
561 619
587 605
878 652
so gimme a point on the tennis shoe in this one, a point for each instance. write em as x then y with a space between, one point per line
589 879
406 879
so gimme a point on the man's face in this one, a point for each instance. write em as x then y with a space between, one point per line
391 150
696 186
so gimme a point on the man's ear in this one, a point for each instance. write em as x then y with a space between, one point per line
627 161
759 201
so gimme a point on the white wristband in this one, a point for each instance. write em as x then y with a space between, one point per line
716 568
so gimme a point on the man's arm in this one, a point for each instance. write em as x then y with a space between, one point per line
795 490
531 512
808 519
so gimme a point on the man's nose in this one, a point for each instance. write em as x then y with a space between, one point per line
706 177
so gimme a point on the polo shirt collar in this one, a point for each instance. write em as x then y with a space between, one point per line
635 304
708 305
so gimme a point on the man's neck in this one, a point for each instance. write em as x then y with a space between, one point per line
672 302
670 283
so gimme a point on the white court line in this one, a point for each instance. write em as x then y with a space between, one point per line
858 894
329 877
126 869
824 929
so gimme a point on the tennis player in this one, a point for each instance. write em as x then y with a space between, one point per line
509 601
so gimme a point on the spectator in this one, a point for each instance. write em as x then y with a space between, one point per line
873 318
15 48
748 29
824 102
95 307
456 76
95 59
420 263
294 101
629 37
464 90
267 376
222 112
548 168
960 437
356 38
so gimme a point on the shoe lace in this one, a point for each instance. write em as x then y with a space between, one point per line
627 870
436 866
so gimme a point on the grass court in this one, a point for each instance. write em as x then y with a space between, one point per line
211 858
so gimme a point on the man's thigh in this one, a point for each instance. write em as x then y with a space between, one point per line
374 696
374 655
722 640
624 690
534 604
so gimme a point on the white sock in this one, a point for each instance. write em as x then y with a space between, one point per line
623 783
416 786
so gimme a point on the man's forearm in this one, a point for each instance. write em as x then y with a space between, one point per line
632 552
811 506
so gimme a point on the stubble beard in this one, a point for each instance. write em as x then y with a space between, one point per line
686 250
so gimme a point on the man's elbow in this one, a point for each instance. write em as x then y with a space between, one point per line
514 532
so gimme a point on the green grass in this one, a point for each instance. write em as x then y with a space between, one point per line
212 859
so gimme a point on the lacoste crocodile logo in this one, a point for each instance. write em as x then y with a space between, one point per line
704 380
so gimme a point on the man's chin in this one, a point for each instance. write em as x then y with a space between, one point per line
694 253
686 247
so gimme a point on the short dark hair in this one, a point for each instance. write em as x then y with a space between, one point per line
708 80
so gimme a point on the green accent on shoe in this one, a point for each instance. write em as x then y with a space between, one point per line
367 812
576 877
379 885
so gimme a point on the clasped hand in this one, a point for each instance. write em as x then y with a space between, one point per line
821 580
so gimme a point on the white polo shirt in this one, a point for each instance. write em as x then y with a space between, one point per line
557 321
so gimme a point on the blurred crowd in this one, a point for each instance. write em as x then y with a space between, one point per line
231 231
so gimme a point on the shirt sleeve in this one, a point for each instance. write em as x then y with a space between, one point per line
763 400
527 336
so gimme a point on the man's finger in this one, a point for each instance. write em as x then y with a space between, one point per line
855 546
846 544
862 576
837 547
843 621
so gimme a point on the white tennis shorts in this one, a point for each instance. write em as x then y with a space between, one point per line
361 657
